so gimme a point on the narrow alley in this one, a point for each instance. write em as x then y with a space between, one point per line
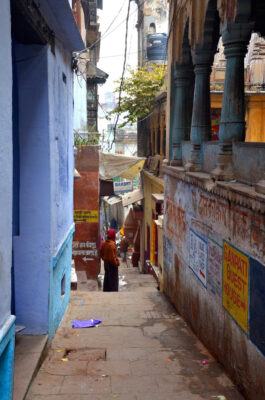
143 350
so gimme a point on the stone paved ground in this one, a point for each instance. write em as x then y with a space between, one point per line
143 350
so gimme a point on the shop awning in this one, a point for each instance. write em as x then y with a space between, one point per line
132 197
111 165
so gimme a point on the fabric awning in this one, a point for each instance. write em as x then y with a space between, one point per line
111 165
132 197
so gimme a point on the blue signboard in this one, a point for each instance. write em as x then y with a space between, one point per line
257 304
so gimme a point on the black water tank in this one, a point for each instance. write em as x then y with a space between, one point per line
157 47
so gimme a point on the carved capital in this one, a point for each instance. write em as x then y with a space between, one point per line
236 36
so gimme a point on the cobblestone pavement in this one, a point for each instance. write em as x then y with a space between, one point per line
143 350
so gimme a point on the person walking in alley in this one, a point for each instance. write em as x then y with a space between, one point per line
124 244
109 255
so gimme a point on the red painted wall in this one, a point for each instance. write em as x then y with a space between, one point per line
86 211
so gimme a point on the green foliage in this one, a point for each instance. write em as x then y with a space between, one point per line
138 92
86 137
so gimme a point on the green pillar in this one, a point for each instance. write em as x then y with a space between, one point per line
182 109
201 116
235 37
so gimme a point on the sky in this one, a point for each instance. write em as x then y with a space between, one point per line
113 43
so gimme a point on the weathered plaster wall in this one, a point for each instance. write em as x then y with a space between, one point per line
45 90
60 282
86 210
248 158
32 252
155 12
249 162
60 83
7 322
195 227
5 161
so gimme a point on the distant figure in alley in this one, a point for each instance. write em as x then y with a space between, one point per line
109 255
124 244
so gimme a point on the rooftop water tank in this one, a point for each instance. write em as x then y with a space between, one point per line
157 47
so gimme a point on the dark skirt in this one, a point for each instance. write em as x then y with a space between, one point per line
111 278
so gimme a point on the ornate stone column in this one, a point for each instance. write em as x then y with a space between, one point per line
201 115
232 126
182 111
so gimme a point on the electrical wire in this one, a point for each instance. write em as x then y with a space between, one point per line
128 53
119 55
114 19
105 34
131 39
123 72
104 112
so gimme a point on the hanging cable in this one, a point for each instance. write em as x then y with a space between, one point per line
105 34
114 19
122 76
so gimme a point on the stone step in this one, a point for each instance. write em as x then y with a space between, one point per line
30 351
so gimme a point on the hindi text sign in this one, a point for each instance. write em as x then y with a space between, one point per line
198 256
86 215
214 269
235 284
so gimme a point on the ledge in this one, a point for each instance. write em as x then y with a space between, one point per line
63 244
239 193
6 327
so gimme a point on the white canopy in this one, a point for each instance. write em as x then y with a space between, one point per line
111 165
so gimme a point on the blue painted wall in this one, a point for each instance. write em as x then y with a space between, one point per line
257 304
60 282
5 162
32 247
60 82
7 346
7 330
45 99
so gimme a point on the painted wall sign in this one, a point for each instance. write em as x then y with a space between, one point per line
198 256
86 215
235 284
214 267
85 253
85 248
84 245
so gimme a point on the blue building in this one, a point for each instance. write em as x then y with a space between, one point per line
36 170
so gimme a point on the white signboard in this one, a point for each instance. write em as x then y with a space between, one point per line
214 271
123 187
198 256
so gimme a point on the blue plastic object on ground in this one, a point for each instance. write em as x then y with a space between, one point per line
90 323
